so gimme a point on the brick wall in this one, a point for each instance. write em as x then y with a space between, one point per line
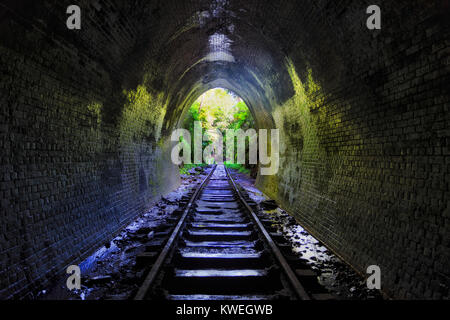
82 154
86 115
365 163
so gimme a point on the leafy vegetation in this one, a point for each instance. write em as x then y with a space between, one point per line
238 167
187 167
218 109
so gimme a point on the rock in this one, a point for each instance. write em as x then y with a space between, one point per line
98 280
143 230
193 171
131 249
269 205
119 296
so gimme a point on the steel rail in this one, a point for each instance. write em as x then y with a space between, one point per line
151 276
296 285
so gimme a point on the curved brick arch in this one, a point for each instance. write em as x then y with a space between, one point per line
86 117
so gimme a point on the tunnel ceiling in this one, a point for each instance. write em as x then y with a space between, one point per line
183 49
219 44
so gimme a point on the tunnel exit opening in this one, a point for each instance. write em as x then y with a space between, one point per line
218 111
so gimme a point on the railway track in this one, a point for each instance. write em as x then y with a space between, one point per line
221 250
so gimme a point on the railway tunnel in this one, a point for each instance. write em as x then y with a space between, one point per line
86 119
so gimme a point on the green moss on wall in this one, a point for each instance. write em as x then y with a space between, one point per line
142 115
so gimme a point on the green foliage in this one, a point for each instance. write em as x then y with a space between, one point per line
242 119
218 109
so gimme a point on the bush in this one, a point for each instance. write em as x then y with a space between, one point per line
238 167
185 168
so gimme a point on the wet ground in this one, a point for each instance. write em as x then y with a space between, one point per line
111 273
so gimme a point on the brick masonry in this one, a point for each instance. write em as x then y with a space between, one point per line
81 155
366 164
86 115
